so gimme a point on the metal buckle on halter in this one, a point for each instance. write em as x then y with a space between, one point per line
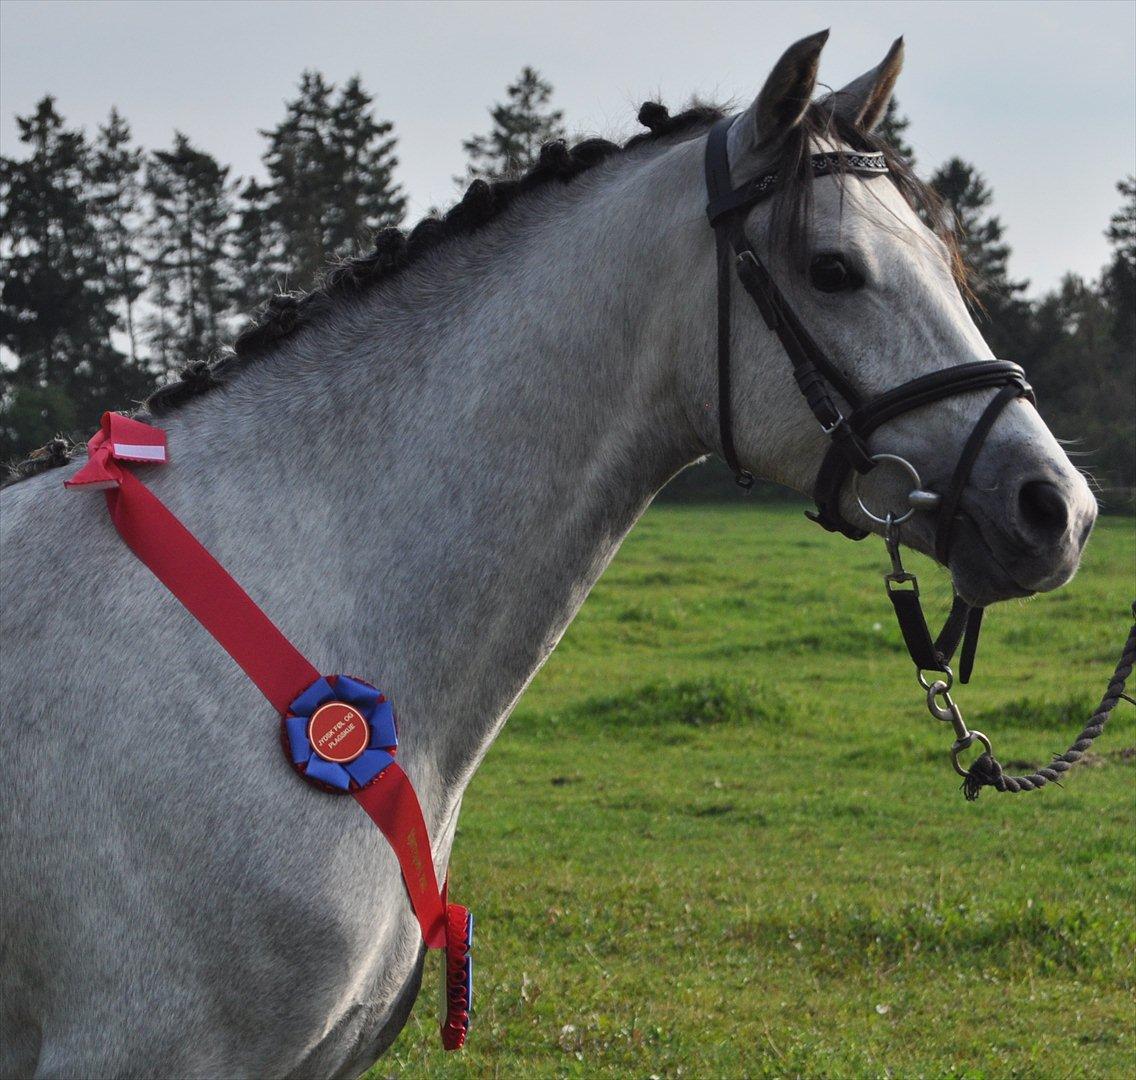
830 428
844 436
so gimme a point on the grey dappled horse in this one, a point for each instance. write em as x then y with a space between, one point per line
420 481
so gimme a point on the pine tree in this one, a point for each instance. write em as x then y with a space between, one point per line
116 199
190 231
967 198
331 178
57 295
366 197
521 126
1078 350
891 129
255 253
301 182
1119 281
1118 290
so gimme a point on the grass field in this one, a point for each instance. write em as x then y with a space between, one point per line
721 837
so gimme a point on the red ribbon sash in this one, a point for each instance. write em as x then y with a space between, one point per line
251 638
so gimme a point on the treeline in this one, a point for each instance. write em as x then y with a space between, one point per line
1077 343
119 265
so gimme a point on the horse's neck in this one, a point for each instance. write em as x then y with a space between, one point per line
431 485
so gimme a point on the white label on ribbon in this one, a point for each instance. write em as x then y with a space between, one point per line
139 452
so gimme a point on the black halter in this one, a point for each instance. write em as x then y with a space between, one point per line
821 383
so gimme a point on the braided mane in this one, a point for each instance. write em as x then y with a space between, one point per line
483 202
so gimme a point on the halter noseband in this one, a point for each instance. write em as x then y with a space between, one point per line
822 383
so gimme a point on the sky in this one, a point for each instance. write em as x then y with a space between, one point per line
1041 96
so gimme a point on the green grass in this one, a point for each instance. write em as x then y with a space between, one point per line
720 836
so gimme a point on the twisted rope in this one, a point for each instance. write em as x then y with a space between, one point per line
986 772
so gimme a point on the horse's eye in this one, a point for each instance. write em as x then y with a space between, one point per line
830 273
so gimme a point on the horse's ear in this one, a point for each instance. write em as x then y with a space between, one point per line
783 100
864 101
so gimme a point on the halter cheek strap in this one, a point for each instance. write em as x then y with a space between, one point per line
812 369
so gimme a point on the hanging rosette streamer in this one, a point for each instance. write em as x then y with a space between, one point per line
457 977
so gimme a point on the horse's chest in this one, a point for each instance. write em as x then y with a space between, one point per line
365 1029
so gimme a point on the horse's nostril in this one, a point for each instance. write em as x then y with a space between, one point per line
1043 510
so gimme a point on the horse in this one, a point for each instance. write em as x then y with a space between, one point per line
419 470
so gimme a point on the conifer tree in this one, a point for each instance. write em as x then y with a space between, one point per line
1118 390
331 178
301 182
1119 281
256 257
1087 329
116 199
366 197
981 235
56 292
190 230
522 124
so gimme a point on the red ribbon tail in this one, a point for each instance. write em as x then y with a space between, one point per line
95 476
392 804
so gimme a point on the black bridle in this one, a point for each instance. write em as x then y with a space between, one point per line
822 383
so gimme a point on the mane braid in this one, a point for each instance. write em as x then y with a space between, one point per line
483 202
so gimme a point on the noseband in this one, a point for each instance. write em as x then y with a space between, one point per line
823 384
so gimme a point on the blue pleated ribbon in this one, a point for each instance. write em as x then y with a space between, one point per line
374 709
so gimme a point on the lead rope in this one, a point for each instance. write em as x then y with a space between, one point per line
985 770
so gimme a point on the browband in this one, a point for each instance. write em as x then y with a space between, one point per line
727 200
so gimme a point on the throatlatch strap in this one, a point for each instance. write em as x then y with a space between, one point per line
743 477
208 592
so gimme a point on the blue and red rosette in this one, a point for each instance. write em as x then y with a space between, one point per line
355 699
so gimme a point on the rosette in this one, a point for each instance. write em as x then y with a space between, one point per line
340 733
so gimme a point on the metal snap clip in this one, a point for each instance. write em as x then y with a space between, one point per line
962 744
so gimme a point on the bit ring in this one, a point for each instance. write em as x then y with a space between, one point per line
890 519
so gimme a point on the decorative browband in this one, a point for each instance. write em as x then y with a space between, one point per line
848 161
824 164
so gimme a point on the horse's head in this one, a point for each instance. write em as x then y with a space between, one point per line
872 276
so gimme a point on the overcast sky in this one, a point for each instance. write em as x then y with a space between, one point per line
1041 96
